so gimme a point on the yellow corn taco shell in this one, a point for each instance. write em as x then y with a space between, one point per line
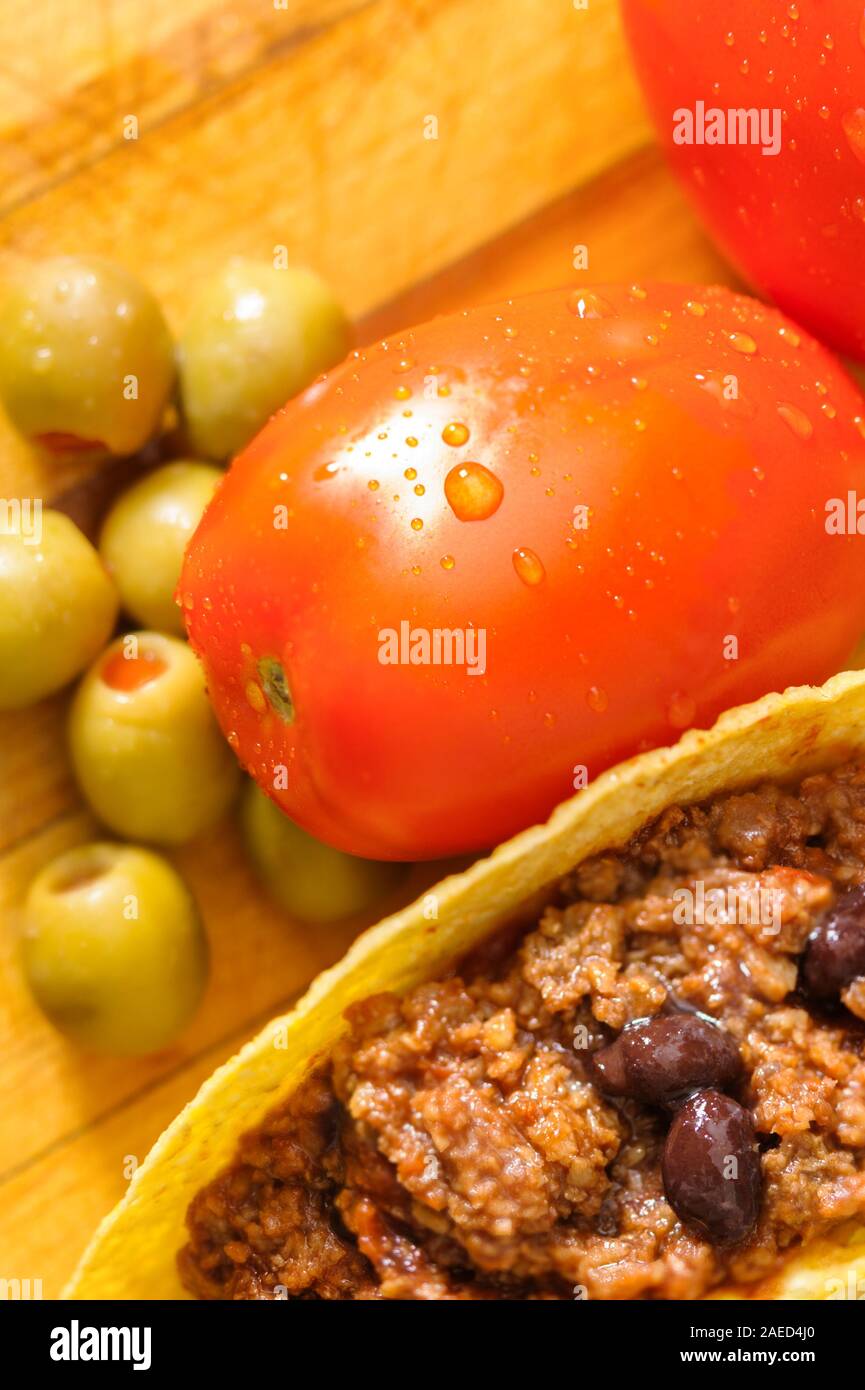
133 1253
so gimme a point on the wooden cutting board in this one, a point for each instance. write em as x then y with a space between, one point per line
423 155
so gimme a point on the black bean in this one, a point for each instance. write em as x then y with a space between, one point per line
711 1168
662 1059
835 951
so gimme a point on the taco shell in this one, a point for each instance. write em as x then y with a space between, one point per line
781 737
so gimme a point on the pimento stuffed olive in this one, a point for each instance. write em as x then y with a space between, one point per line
144 745
86 357
57 604
114 950
144 536
255 336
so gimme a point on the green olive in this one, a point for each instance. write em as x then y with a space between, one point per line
145 746
114 950
86 358
255 337
311 881
57 604
145 534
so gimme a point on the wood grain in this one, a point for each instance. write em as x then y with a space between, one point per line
302 127
314 140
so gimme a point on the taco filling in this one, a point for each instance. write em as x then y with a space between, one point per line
656 1090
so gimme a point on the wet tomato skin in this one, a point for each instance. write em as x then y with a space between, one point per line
794 221
651 549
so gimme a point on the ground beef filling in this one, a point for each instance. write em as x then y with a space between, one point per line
455 1147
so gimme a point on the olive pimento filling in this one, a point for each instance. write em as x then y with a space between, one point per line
657 1090
59 442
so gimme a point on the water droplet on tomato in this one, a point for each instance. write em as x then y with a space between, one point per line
597 699
796 419
681 711
742 342
373 484
637 292
853 125
859 422
411 441
416 523
456 434
447 562
325 471
639 383
255 697
789 335
528 565
694 307
405 364
588 305
473 492
411 474
829 410
403 393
